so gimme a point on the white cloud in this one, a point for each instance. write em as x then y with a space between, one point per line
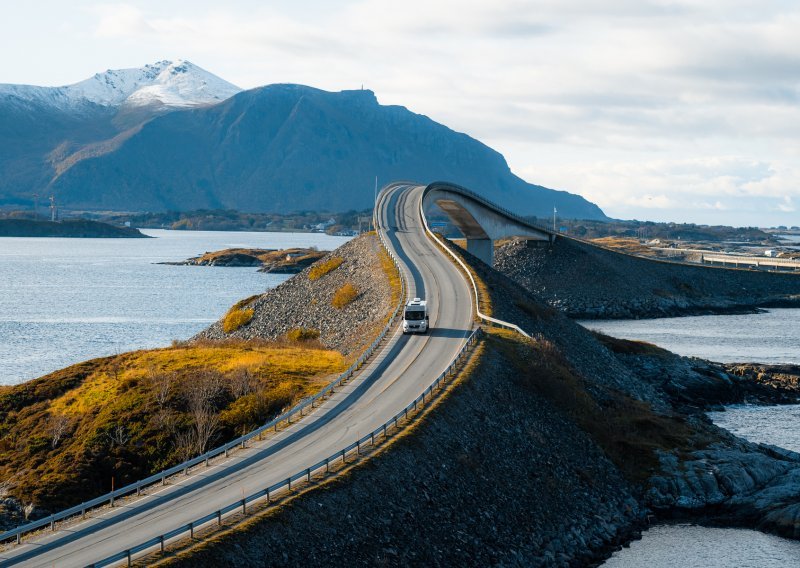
120 21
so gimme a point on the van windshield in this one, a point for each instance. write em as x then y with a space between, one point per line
415 316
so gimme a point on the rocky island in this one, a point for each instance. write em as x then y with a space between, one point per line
77 228
282 261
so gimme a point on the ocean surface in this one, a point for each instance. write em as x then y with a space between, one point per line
689 546
63 301
772 337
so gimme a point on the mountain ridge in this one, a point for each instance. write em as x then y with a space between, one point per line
276 148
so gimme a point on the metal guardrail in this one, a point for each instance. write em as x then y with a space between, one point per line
304 475
433 235
241 441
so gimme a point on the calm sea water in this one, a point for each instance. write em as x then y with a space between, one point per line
771 337
688 546
67 300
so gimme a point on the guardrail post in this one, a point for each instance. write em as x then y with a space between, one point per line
186 471
161 539
163 480
138 490
191 530
327 465
244 507
289 483
244 442
206 461
128 553
219 518
384 430
343 458
226 452
268 497
83 513
308 474
358 447
19 538
372 438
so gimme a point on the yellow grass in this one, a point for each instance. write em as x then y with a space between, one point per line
236 318
322 268
392 275
344 296
273 363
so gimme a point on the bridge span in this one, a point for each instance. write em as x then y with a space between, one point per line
481 221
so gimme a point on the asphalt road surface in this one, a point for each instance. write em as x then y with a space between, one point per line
391 380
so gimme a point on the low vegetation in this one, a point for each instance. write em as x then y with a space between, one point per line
236 318
322 268
344 296
68 436
299 334
628 430
392 275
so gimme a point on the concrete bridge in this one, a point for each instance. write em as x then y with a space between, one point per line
481 221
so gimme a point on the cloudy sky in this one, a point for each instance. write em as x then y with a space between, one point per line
653 109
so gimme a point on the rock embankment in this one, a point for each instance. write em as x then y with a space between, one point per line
701 472
494 476
590 282
301 302
284 261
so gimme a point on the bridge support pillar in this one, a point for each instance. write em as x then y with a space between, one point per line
481 248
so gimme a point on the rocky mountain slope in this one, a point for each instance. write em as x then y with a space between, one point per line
44 131
586 281
147 139
171 84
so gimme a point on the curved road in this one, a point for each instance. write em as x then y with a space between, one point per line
392 379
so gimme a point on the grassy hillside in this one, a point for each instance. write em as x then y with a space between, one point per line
64 437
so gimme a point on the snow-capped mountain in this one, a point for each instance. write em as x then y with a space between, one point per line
165 83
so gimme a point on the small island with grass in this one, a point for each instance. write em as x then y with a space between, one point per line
282 261
75 228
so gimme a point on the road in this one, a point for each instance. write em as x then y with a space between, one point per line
393 378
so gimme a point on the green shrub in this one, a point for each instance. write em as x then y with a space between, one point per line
322 268
344 296
302 334
236 318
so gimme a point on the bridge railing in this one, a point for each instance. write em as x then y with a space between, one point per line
435 237
161 477
491 205
304 475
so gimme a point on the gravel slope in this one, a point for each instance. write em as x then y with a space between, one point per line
301 302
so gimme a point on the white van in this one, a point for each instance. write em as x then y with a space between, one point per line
415 317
